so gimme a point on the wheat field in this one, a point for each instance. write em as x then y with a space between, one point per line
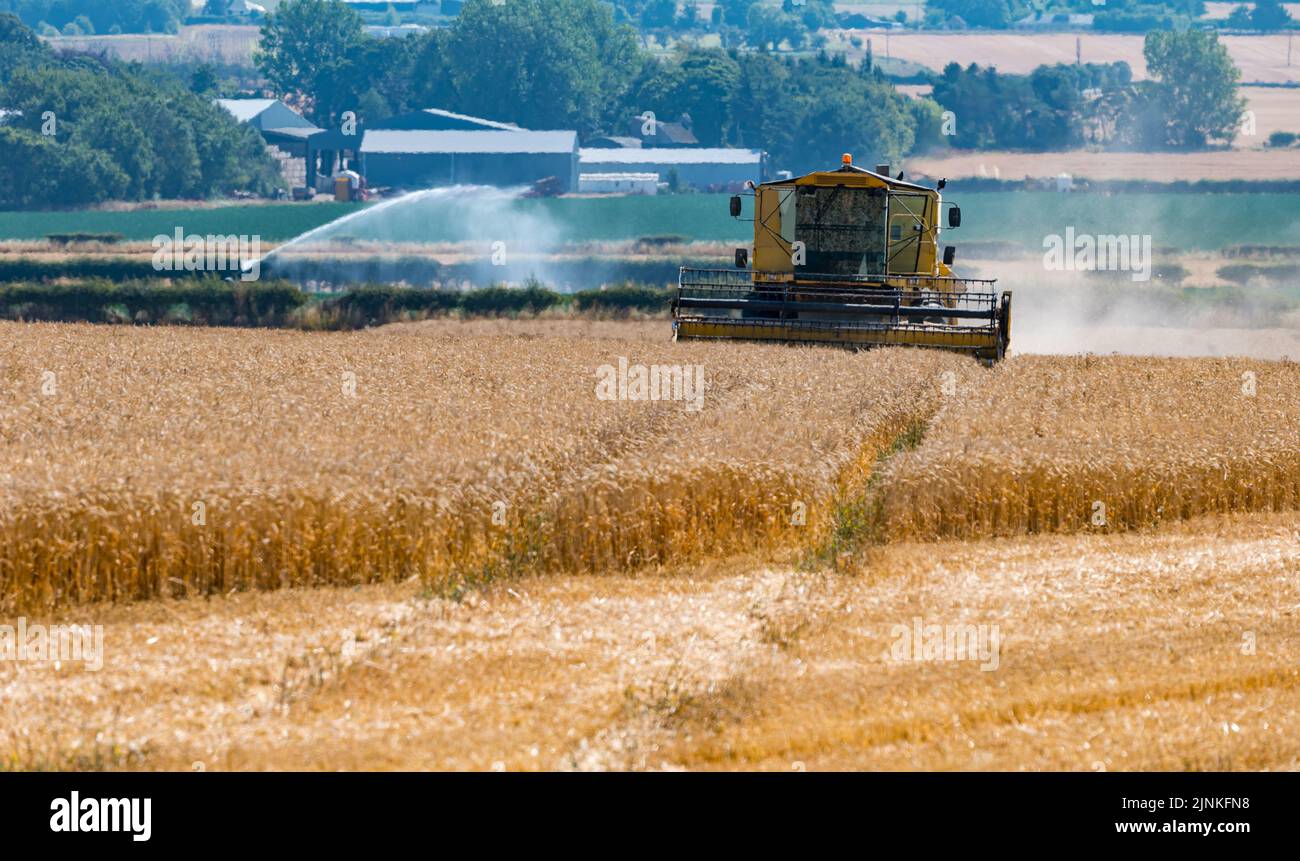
346 597
1054 444
165 462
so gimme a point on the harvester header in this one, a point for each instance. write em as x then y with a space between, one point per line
846 257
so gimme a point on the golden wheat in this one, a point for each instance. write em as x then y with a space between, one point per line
1065 444
147 462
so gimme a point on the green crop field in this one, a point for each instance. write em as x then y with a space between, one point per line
1181 221
273 222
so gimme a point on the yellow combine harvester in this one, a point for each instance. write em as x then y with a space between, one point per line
845 257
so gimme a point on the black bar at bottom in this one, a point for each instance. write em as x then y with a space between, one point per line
920 811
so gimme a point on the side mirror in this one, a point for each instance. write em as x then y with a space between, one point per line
949 254
735 206
742 256
954 217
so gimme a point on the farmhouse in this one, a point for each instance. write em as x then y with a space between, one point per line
653 132
286 133
705 168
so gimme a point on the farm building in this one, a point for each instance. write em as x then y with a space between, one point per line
286 133
419 158
705 168
434 147
618 183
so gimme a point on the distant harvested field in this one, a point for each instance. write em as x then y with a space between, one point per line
1276 109
213 43
1261 58
1221 165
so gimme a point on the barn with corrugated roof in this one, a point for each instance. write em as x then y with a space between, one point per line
434 147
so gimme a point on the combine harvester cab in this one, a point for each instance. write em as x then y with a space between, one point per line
848 258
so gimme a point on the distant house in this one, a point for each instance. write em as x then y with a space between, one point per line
705 168
286 133
265 114
654 132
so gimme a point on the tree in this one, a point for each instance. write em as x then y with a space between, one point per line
928 118
1195 88
689 17
658 13
130 16
836 110
701 83
768 25
735 13
37 171
1270 15
19 47
763 86
122 132
124 139
203 80
310 52
981 13
1055 107
815 14
543 64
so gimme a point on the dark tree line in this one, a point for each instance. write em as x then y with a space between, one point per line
100 16
82 130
